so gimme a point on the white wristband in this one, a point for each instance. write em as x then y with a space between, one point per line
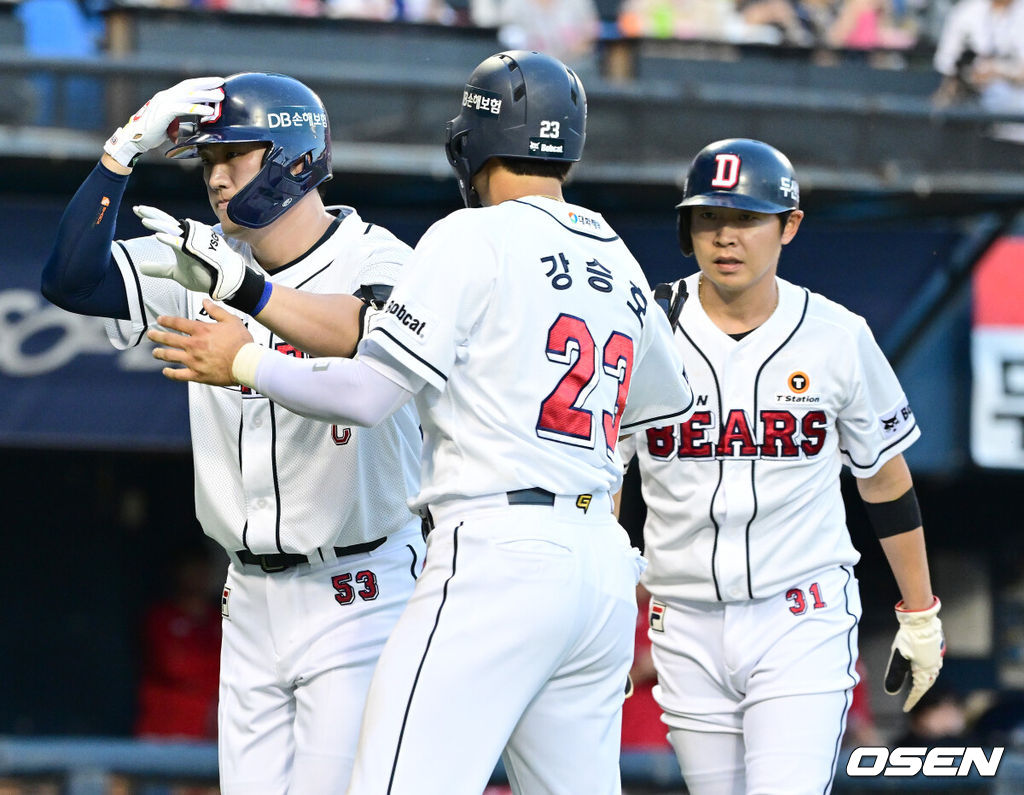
246 362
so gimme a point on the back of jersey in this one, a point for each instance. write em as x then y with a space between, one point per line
531 322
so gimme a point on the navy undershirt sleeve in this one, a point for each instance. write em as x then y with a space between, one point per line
80 275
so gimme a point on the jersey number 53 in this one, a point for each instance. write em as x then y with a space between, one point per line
564 416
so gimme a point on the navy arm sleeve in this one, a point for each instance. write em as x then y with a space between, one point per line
80 275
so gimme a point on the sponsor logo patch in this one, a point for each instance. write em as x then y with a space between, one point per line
583 502
552 147
893 422
224 602
583 220
296 116
788 187
798 383
657 615
477 99
415 323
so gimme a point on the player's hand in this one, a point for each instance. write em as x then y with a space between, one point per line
917 651
204 262
204 351
151 124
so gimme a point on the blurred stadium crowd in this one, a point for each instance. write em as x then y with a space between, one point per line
977 46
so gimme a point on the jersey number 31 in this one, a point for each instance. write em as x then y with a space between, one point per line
563 415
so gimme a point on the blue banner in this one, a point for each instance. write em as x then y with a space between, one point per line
62 384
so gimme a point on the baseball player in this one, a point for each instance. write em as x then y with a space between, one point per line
755 606
323 549
524 333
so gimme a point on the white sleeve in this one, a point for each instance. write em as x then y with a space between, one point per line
627 450
876 422
148 296
439 299
342 391
659 392
386 258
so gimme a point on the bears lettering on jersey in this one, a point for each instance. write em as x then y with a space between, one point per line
779 434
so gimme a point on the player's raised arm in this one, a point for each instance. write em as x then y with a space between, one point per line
919 646
79 275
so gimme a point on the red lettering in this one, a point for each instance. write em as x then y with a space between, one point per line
694 442
661 441
815 590
779 429
796 596
813 426
289 350
618 363
736 433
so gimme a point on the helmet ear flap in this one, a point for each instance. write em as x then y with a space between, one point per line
683 231
455 150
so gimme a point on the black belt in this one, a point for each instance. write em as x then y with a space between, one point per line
534 496
530 497
279 561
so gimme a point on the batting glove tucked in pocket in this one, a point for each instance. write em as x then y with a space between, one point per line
917 651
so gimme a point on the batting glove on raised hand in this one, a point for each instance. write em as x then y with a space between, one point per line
148 126
917 651
204 262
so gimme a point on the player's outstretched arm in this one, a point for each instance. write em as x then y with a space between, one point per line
343 391
204 351
919 645
320 325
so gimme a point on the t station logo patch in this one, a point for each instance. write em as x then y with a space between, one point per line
798 382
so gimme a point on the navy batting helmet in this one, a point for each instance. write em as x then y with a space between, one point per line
517 104
287 115
738 173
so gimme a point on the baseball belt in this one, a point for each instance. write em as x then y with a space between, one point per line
282 561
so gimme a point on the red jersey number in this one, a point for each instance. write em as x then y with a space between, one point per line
563 416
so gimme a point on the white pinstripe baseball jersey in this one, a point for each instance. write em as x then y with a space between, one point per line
268 480
743 496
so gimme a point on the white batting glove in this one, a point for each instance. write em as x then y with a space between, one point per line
148 126
204 262
374 298
917 651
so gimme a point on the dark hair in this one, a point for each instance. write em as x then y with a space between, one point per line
523 167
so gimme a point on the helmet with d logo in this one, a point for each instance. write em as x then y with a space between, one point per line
740 173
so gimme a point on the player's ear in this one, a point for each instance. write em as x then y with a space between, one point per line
791 226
